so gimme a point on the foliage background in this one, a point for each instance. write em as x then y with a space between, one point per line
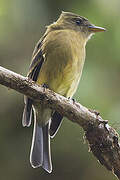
22 23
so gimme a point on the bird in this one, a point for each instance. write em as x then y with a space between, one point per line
57 63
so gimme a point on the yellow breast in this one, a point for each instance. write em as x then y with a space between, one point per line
64 59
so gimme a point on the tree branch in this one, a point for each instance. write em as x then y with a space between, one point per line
102 139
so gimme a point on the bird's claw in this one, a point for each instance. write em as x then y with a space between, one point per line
72 99
45 86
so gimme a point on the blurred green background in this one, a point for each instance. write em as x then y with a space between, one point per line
22 23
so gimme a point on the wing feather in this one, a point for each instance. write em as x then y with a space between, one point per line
36 64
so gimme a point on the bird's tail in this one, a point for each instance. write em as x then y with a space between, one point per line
27 113
40 150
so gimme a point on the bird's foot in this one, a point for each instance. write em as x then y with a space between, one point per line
45 86
72 99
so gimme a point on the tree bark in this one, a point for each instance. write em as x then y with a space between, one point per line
102 138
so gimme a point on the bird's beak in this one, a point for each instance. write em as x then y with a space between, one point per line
94 29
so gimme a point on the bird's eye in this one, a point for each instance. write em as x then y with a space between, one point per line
78 22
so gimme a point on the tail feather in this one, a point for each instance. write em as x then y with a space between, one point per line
56 122
27 113
47 165
40 150
36 155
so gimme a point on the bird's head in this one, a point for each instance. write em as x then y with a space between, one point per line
77 23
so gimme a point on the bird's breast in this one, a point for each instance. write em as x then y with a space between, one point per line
64 59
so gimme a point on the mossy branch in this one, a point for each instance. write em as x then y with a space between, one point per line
102 138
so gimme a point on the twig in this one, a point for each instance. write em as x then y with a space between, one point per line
102 139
